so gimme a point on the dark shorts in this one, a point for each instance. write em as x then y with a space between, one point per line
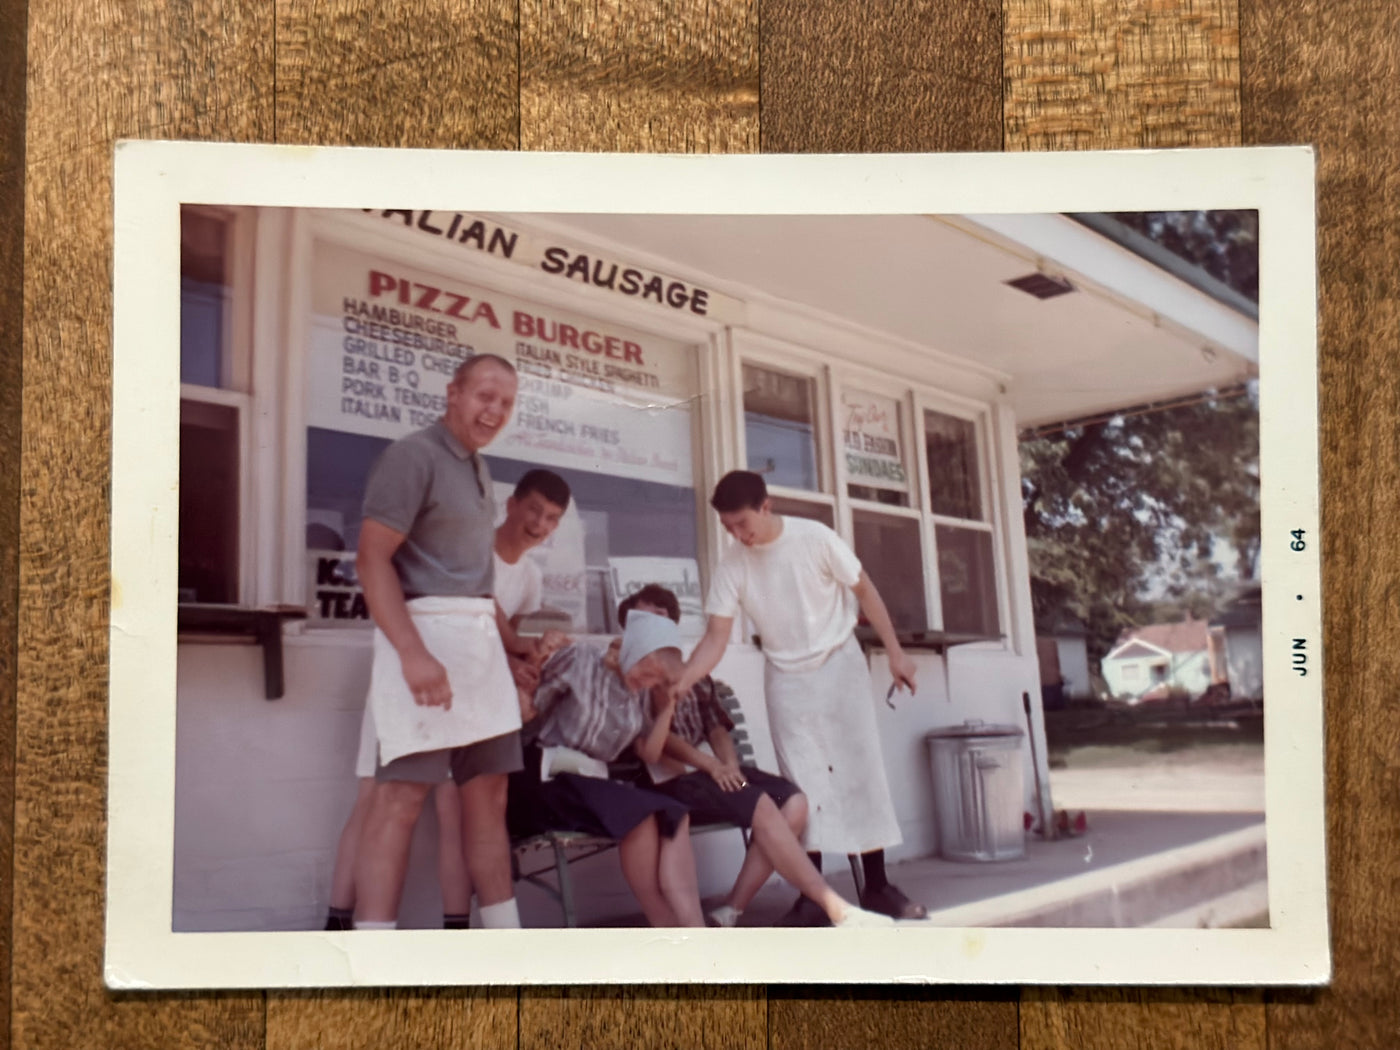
497 754
591 805
711 804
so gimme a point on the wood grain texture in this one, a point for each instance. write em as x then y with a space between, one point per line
97 71
665 75
1329 74
1121 74
426 74
892 1018
881 77
403 1020
422 73
1167 1019
704 1017
662 76
12 89
1128 74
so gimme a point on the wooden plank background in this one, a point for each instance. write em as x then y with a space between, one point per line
780 75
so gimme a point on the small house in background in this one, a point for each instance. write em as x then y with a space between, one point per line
1237 646
1063 652
1159 661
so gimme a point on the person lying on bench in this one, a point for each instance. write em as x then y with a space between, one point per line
596 708
711 783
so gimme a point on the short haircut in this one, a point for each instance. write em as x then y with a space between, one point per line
739 490
652 594
547 483
470 365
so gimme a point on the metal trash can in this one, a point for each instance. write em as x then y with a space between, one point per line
978 791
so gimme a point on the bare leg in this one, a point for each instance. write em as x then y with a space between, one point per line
453 876
487 843
675 870
343 874
639 853
382 858
757 867
773 835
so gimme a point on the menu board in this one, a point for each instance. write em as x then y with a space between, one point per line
385 340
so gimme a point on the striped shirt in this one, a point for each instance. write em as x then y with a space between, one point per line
585 705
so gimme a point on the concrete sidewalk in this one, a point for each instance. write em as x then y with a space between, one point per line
1129 869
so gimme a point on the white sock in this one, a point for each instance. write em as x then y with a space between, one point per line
369 924
724 915
502 916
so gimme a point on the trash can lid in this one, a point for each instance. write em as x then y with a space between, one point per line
974 727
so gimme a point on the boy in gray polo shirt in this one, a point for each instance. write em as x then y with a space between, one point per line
427 534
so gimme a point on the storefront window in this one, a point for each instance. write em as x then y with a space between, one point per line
967 580
205 298
794 508
890 550
962 535
211 412
208 544
779 427
952 466
606 407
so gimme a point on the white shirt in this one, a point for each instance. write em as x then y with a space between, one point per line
797 591
519 587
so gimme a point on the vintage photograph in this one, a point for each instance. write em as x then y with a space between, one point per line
829 581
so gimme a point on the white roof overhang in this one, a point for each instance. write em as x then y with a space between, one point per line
1130 334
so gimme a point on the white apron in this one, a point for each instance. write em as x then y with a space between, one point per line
461 633
827 742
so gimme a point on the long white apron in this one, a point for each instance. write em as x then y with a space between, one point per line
461 633
827 742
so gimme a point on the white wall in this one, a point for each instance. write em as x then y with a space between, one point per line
263 787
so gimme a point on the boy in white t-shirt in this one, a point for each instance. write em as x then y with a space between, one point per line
533 512
803 588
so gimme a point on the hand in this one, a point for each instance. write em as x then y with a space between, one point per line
427 679
549 643
612 656
729 778
681 687
902 669
525 674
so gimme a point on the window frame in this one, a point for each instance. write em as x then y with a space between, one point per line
990 484
236 389
772 355
834 376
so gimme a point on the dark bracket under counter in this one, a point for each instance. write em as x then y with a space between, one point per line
264 626
924 641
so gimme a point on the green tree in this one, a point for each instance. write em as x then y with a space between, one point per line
1125 519
1223 243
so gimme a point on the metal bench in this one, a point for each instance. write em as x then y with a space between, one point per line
570 847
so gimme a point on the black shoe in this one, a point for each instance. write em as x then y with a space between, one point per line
804 912
888 900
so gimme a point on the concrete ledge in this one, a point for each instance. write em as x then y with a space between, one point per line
1136 893
1241 906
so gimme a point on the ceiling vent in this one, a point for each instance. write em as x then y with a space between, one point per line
1042 285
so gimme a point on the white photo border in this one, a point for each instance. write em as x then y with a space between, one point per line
152 181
